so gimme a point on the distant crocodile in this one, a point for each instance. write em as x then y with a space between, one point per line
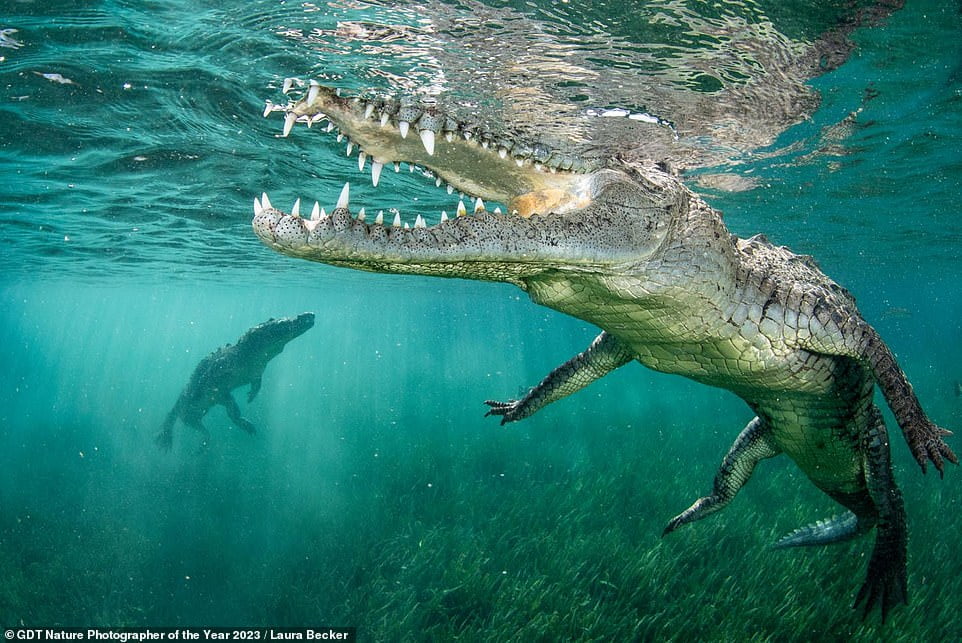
228 368
626 246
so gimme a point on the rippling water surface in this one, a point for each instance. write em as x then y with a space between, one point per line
135 141
375 494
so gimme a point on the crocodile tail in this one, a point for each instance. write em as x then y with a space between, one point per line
165 439
823 532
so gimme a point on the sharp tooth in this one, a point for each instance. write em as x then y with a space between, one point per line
289 122
397 166
437 182
419 222
340 137
461 209
449 137
361 158
502 152
288 84
403 126
406 226
316 212
268 108
265 201
258 208
312 93
379 219
342 201
361 215
427 137
479 205
411 167
350 147
519 161
330 127
444 216
467 136
397 220
450 188
337 91
368 111
376 172
384 118
484 145
497 210
322 215
296 208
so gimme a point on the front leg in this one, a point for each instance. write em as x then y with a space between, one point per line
605 354
254 390
752 445
234 413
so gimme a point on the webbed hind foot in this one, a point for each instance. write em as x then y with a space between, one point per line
886 584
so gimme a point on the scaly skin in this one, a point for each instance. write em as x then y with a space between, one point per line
630 249
228 368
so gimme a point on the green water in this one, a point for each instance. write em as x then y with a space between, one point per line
375 494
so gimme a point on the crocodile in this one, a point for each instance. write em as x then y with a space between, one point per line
228 368
624 244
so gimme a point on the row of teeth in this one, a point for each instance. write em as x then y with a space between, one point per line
362 156
536 156
318 213
427 136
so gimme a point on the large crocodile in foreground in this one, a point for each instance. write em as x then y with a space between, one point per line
231 367
627 247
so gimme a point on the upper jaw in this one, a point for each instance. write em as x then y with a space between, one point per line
528 177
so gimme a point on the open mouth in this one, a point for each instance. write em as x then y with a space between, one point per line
529 178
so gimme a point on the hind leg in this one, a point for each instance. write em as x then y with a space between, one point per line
885 583
752 445
165 439
196 424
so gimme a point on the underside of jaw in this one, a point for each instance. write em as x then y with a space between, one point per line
481 245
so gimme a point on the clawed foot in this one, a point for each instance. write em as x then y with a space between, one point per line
509 411
885 585
926 443
673 524
701 508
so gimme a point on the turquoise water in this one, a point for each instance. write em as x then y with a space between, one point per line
375 494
